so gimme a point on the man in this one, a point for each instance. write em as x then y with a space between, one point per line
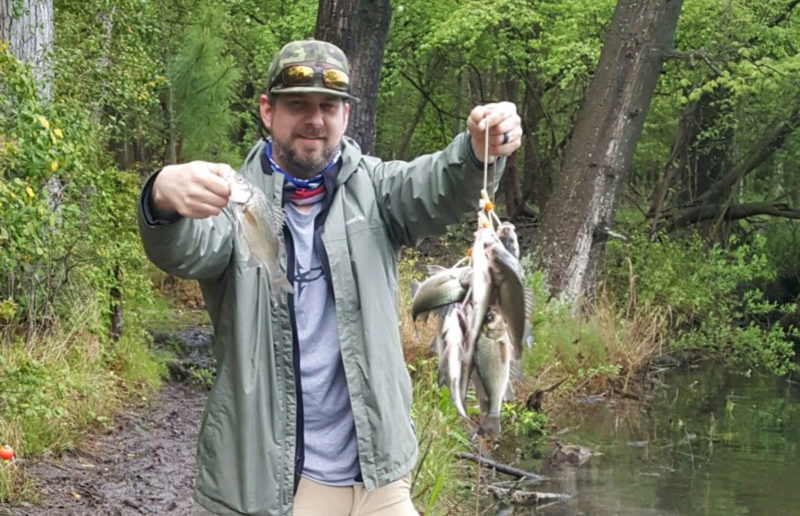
310 411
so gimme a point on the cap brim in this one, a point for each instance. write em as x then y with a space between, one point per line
314 89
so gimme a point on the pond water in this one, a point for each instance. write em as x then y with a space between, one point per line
711 441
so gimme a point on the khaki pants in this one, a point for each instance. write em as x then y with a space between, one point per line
313 499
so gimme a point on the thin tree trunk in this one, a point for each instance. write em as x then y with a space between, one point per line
599 155
115 321
359 28
27 27
401 151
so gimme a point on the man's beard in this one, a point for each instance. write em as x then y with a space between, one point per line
299 166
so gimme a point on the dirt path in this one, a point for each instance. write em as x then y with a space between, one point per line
144 466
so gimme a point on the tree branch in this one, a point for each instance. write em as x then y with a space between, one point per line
694 214
691 55
773 139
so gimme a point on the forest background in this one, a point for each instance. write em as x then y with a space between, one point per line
656 190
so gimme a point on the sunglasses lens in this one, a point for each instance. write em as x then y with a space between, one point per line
335 79
298 76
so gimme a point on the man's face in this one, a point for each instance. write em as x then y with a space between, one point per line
306 130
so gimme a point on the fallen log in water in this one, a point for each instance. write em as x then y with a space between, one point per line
526 497
502 468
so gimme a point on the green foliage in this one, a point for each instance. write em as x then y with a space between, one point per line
520 422
27 389
203 76
701 290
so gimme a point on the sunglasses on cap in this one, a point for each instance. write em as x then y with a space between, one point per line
303 75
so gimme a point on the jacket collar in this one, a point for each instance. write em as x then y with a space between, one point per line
351 156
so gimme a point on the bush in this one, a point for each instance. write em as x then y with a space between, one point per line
701 293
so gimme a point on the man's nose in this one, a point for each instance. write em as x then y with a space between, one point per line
315 116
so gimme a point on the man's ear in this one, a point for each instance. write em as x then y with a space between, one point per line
346 114
266 112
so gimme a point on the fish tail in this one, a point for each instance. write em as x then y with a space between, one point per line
490 424
280 284
455 395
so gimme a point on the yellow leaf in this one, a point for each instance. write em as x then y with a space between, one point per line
29 191
152 84
43 121
53 166
77 496
58 133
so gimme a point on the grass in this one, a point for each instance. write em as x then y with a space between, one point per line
56 384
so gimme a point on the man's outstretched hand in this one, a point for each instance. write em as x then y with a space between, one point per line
505 130
195 190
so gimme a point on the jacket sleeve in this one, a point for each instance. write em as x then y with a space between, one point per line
183 247
422 197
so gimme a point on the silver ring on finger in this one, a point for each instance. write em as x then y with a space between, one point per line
505 139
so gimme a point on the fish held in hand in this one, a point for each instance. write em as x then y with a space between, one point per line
259 227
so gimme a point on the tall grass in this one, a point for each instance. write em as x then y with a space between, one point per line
59 382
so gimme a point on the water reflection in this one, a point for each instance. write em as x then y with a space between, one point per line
713 442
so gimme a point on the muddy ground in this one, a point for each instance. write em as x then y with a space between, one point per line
145 465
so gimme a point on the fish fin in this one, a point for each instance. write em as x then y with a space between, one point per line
424 317
530 301
434 345
510 393
280 284
277 219
516 374
414 287
433 270
466 279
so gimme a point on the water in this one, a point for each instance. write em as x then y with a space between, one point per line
713 441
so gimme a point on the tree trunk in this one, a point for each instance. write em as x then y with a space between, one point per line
535 178
601 149
115 319
27 27
359 28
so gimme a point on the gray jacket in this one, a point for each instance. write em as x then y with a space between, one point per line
246 449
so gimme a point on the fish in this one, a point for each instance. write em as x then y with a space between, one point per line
259 227
507 234
493 358
453 327
443 287
481 291
515 302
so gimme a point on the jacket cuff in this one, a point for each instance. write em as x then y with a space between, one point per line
146 207
474 159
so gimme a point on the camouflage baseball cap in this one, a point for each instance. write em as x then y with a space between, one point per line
317 54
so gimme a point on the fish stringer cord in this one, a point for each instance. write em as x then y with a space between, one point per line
488 204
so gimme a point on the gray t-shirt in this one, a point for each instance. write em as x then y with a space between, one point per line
331 449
